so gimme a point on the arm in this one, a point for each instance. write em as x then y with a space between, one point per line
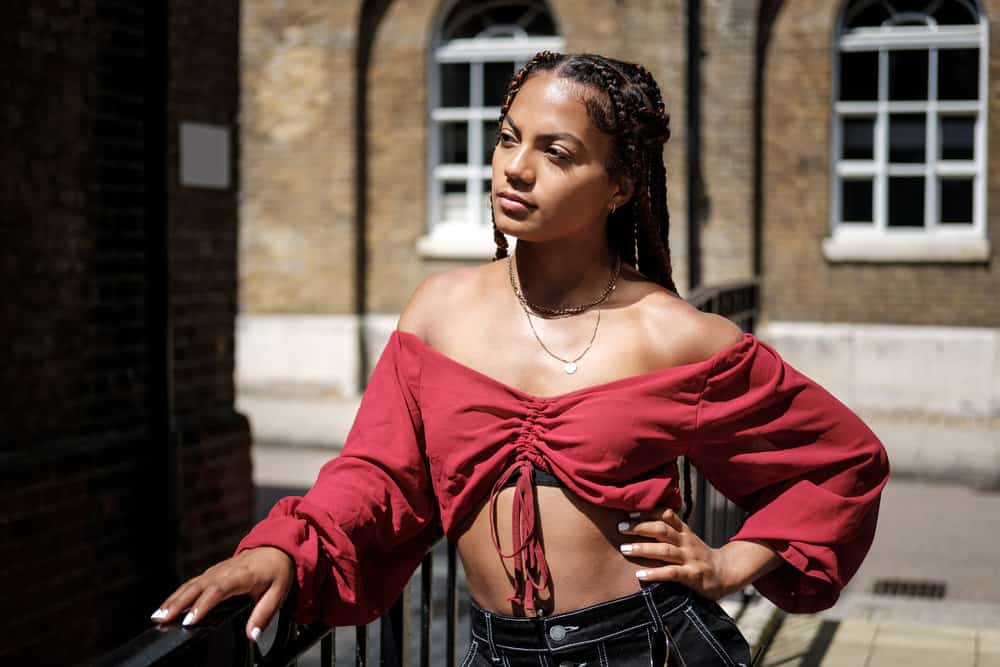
358 534
807 470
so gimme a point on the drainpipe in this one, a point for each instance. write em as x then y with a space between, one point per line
695 198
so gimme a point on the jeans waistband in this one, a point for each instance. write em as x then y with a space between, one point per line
575 628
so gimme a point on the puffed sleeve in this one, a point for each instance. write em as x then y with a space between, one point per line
359 533
807 470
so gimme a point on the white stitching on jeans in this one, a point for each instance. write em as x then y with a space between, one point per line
602 654
670 640
707 635
471 655
649 640
657 621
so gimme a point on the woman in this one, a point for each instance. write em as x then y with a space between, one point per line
548 395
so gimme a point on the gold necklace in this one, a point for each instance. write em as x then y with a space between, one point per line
569 365
568 310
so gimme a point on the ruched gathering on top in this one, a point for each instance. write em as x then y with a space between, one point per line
433 438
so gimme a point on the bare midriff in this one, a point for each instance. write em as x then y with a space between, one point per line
580 541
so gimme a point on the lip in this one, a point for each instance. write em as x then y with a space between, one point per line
511 198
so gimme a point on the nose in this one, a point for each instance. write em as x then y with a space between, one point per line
518 165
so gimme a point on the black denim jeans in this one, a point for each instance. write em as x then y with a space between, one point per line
637 630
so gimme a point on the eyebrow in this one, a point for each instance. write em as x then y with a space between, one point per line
550 135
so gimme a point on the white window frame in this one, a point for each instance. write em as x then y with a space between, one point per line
471 238
935 242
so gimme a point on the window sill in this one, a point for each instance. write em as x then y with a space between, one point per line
459 244
899 248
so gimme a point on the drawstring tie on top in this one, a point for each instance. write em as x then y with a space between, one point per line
530 568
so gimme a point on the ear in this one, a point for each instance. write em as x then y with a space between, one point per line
623 190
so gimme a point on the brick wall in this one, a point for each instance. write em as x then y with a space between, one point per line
799 284
297 209
81 479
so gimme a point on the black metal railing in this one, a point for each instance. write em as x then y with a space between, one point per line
715 518
219 638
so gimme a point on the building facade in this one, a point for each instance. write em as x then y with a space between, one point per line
844 160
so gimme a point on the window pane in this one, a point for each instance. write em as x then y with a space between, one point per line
958 74
859 138
856 200
906 137
957 137
496 77
455 85
956 200
908 75
454 143
906 201
490 129
952 12
453 202
871 16
859 76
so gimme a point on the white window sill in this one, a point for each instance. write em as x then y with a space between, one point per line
908 248
459 242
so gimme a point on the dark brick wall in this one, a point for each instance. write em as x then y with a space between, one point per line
82 474
215 497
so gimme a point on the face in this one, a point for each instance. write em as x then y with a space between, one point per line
552 156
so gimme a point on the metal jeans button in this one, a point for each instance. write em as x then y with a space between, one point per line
557 633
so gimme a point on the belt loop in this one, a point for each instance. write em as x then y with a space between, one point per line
647 596
494 655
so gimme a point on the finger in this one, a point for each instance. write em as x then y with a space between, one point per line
179 601
677 573
657 550
658 530
670 518
264 611
213 594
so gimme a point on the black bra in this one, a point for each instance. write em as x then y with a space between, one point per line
540 477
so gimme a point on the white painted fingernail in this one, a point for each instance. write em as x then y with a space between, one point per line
159 613
641 574
255 634
626 548
189 619
634 515
623 526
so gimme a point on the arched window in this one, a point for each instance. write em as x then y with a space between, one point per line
909 126
477 48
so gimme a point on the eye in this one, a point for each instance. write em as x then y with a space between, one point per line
505 137
559 154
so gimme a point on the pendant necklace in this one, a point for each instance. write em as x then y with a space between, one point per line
569 365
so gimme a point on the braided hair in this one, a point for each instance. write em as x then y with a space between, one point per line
627 105
624 101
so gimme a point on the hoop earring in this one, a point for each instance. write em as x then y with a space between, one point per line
613 207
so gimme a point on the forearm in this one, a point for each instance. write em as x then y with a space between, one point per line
745 561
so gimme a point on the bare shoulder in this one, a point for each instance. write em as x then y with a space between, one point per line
436 297
675 331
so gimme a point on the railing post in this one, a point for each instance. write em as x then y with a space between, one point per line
393 633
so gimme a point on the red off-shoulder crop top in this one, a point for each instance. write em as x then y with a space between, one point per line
433 438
